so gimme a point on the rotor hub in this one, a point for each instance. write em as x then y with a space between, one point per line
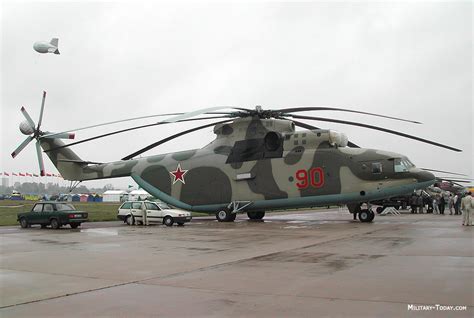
26 128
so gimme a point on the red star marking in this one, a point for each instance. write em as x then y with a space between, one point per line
178 174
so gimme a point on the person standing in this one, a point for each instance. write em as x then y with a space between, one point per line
441 204
457 205
434 204
419 203
467 205
451 204
413 203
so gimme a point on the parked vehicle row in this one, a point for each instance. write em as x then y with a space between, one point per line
58 214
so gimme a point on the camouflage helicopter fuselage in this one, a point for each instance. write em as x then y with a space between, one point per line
262 162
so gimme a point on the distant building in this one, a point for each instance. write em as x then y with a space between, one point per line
139 194
113 195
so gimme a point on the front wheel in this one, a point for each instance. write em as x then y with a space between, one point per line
24 223
225 215
168 221
366 215
55 224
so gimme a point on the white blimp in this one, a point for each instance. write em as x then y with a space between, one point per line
47 47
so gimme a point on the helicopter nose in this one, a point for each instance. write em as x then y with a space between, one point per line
424 176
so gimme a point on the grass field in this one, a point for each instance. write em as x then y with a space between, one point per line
98 211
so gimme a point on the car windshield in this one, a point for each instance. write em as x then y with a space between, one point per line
64 207
164 206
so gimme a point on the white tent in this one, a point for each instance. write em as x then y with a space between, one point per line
113 195
139 194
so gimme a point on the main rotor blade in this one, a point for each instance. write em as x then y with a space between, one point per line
201 111
40 120
162 141
304 125
125 130
377 128
22 146
458 174
449 178
53 135
305 109
28 117
454 180
59 136
40 158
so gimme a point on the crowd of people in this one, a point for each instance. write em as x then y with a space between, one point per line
457 204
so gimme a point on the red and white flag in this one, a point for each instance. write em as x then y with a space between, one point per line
14 174
29 174
48 175
21 174
35 175
6 174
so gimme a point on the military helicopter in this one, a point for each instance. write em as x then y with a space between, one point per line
256 163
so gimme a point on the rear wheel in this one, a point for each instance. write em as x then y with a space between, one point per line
256 215
55 224
130 220
168 221
380 209
74 225
24 223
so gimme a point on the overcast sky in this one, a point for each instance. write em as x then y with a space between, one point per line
119 60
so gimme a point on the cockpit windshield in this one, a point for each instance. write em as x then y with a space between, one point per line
402 164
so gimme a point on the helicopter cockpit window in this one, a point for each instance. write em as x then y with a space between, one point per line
402 165
376 167
271 146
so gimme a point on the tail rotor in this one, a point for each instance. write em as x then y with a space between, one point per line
33 131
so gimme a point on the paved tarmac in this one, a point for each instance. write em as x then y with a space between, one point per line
313 264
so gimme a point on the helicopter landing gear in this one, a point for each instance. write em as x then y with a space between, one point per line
256 215
229 213
366 215
225 215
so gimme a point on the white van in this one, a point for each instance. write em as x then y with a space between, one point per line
131 212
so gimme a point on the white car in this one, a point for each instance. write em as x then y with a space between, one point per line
131 212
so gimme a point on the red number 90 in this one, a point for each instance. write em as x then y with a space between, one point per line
316 175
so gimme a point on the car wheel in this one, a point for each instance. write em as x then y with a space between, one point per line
24 223
379 209
74 225
55 224
130 220
168 221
